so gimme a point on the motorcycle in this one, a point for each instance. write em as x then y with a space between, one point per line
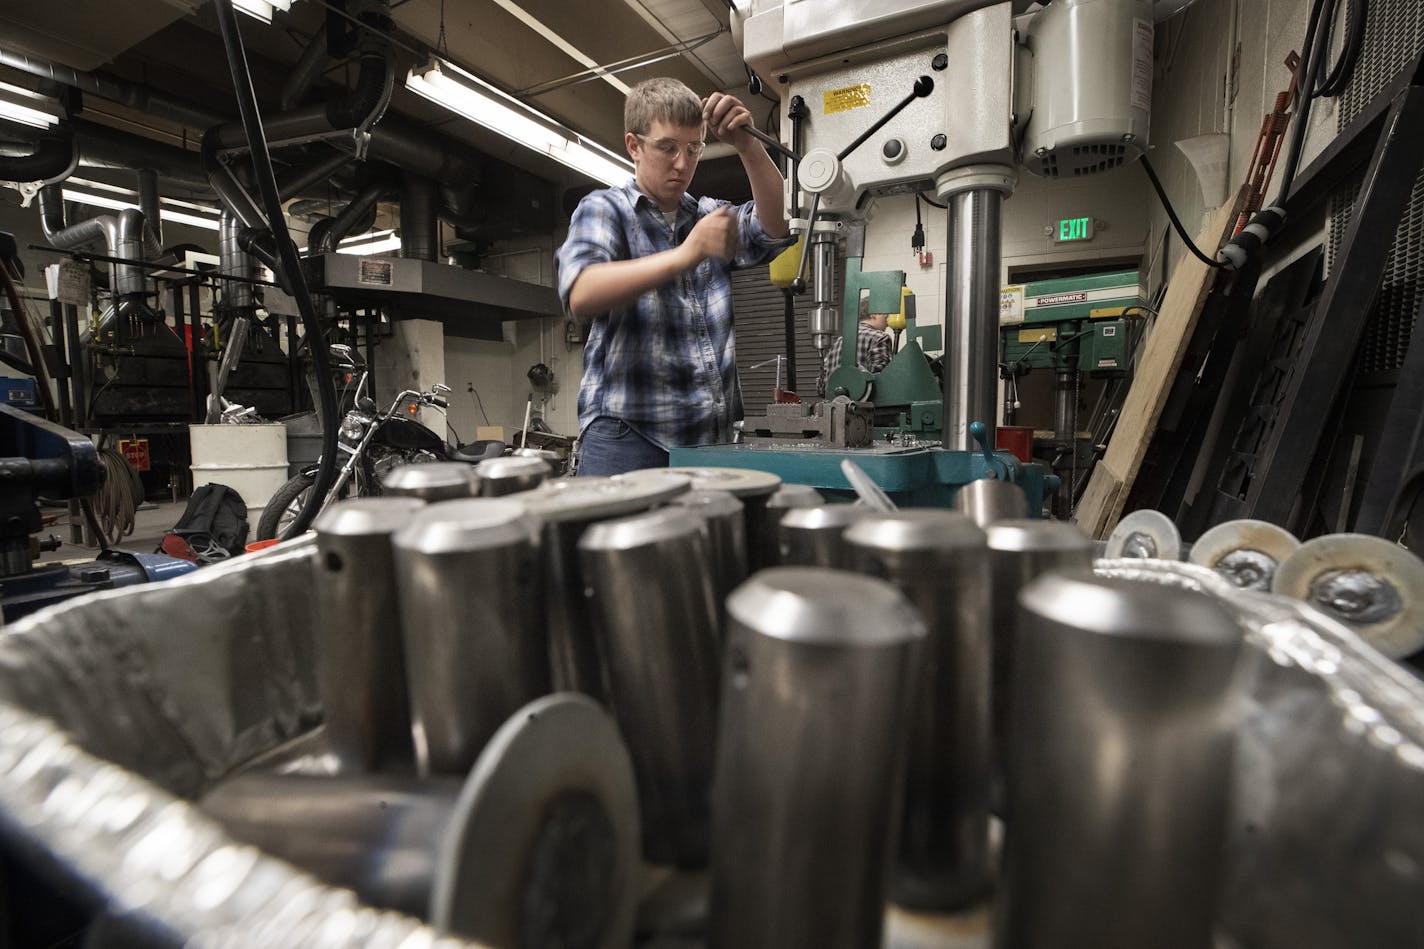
373 442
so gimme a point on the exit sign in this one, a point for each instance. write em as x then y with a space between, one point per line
1074 229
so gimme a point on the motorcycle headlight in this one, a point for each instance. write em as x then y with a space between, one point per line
351 430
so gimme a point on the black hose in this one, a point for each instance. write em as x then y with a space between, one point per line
291 265
1309 65
1176 221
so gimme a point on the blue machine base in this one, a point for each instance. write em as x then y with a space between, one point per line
912 477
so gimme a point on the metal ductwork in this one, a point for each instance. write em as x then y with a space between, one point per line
122 235
235 261
152 215
420 229
54 158
135 95
306 70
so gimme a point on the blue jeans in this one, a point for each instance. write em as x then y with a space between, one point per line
611 446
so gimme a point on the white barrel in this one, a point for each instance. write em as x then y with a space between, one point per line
250 459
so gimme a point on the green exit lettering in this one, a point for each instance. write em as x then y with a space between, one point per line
1075 229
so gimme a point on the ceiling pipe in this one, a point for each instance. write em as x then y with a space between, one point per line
356 217
135 95
306 70
419 226
152 215
53 158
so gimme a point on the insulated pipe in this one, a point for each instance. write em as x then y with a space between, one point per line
359 664
937 560
306 70
420 228
106 86
971 377
152 215
1126 706
234 262
816 680
54 158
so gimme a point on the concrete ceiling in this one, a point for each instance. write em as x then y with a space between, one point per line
178 50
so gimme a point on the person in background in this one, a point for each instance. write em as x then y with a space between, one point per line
647 267
873 349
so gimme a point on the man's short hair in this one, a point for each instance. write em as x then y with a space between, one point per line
863 309
661 100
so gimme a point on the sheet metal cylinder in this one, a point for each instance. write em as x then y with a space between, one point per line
1125 712
501 476
360 661
1020 551
938 560
650 594
815 536
475 647
564 509
817 676
989 500
753 488
726 539
766 549
436 481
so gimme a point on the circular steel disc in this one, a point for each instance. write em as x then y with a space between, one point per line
1373 586
1245 552
1145 533
587 499
542 850
739 482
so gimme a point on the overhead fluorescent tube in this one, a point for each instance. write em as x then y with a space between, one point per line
374 242
464 94
28 108
261 9
120 203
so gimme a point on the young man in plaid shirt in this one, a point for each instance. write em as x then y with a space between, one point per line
872 347
647 267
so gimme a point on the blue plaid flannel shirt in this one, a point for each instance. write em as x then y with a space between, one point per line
667 363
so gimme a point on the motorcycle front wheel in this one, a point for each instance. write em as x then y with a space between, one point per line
283 507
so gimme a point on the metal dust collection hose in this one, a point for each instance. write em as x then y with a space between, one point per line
475 649
1126 707
359 663
937 559
650 595
816 680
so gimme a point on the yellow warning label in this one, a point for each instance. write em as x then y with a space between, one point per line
847 98
1039 334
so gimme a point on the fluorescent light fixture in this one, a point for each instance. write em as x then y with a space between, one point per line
261 9
374 242
464 94
118 199
28 108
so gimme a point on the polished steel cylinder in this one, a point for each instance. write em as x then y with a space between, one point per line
817 677
825 316
1020 551
989 500
726 524
501 476
651 600
765 548
938 560
435 481
564 509
377 835
815 536
753 488
971 378
360 665
1126 705
475 647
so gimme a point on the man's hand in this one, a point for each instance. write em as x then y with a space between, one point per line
728 119
715 235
